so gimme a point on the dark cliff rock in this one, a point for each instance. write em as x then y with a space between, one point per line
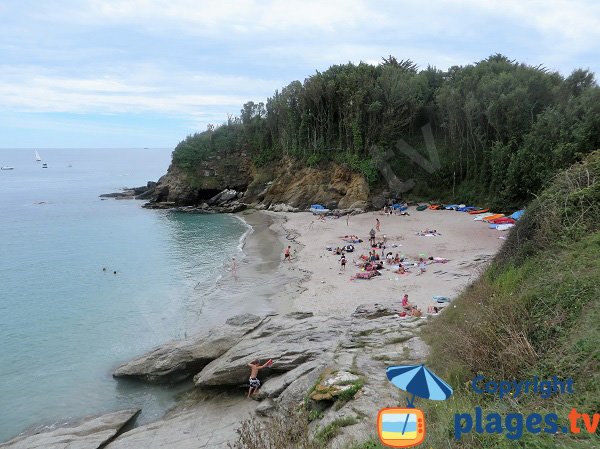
193 187
139 193
225 184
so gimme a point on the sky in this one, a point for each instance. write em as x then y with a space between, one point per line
147 73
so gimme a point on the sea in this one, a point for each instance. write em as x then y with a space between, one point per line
87 284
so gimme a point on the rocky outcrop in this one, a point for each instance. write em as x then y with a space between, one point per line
179 360
90 433
299 186
225 182
339 353
289 341
139 193
218 172
334 360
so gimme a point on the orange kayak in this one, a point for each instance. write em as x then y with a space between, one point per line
493 217
477 212
435 206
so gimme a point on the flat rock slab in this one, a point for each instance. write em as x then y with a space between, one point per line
179 360
90 433
210 425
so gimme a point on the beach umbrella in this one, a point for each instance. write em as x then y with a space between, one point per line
418 381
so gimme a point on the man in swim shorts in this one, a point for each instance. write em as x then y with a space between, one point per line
253 381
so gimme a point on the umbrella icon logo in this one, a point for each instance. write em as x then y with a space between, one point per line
405 427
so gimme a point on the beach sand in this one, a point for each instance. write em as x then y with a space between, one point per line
468 245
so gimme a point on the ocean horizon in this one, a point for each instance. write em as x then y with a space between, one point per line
66 319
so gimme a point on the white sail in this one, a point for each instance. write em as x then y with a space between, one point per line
37 156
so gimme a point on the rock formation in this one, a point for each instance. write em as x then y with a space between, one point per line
179 360
90 433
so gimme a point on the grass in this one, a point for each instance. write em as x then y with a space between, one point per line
327 433
535 311
347 395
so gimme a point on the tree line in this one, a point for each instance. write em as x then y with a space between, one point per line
500 128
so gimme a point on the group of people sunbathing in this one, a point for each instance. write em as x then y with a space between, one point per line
400 210
412 310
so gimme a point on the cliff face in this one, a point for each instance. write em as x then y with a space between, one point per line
299 186
286 182
217 173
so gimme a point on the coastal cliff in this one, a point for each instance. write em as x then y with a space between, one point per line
232 180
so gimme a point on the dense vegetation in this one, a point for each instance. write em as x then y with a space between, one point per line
535 311
500 128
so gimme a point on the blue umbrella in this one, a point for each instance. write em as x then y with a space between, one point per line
419 381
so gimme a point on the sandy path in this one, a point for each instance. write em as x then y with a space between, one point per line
467 243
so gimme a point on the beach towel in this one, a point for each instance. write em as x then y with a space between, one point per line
441 299
504 227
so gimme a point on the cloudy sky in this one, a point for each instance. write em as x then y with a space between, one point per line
145 73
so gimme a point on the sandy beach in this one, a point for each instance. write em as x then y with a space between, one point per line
468 244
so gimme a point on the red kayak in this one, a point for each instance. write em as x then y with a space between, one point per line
503 220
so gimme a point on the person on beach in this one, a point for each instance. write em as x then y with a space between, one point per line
287 254
377 225
372 237
253 381
347 219
343 263
415 311
405 303
234 267
422 266
433 310
401 270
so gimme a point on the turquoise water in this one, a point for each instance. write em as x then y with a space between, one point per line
64 322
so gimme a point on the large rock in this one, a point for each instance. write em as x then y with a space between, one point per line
90 433
222 197
217 172
290 341
179 360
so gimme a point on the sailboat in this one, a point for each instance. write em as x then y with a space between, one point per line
37 156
